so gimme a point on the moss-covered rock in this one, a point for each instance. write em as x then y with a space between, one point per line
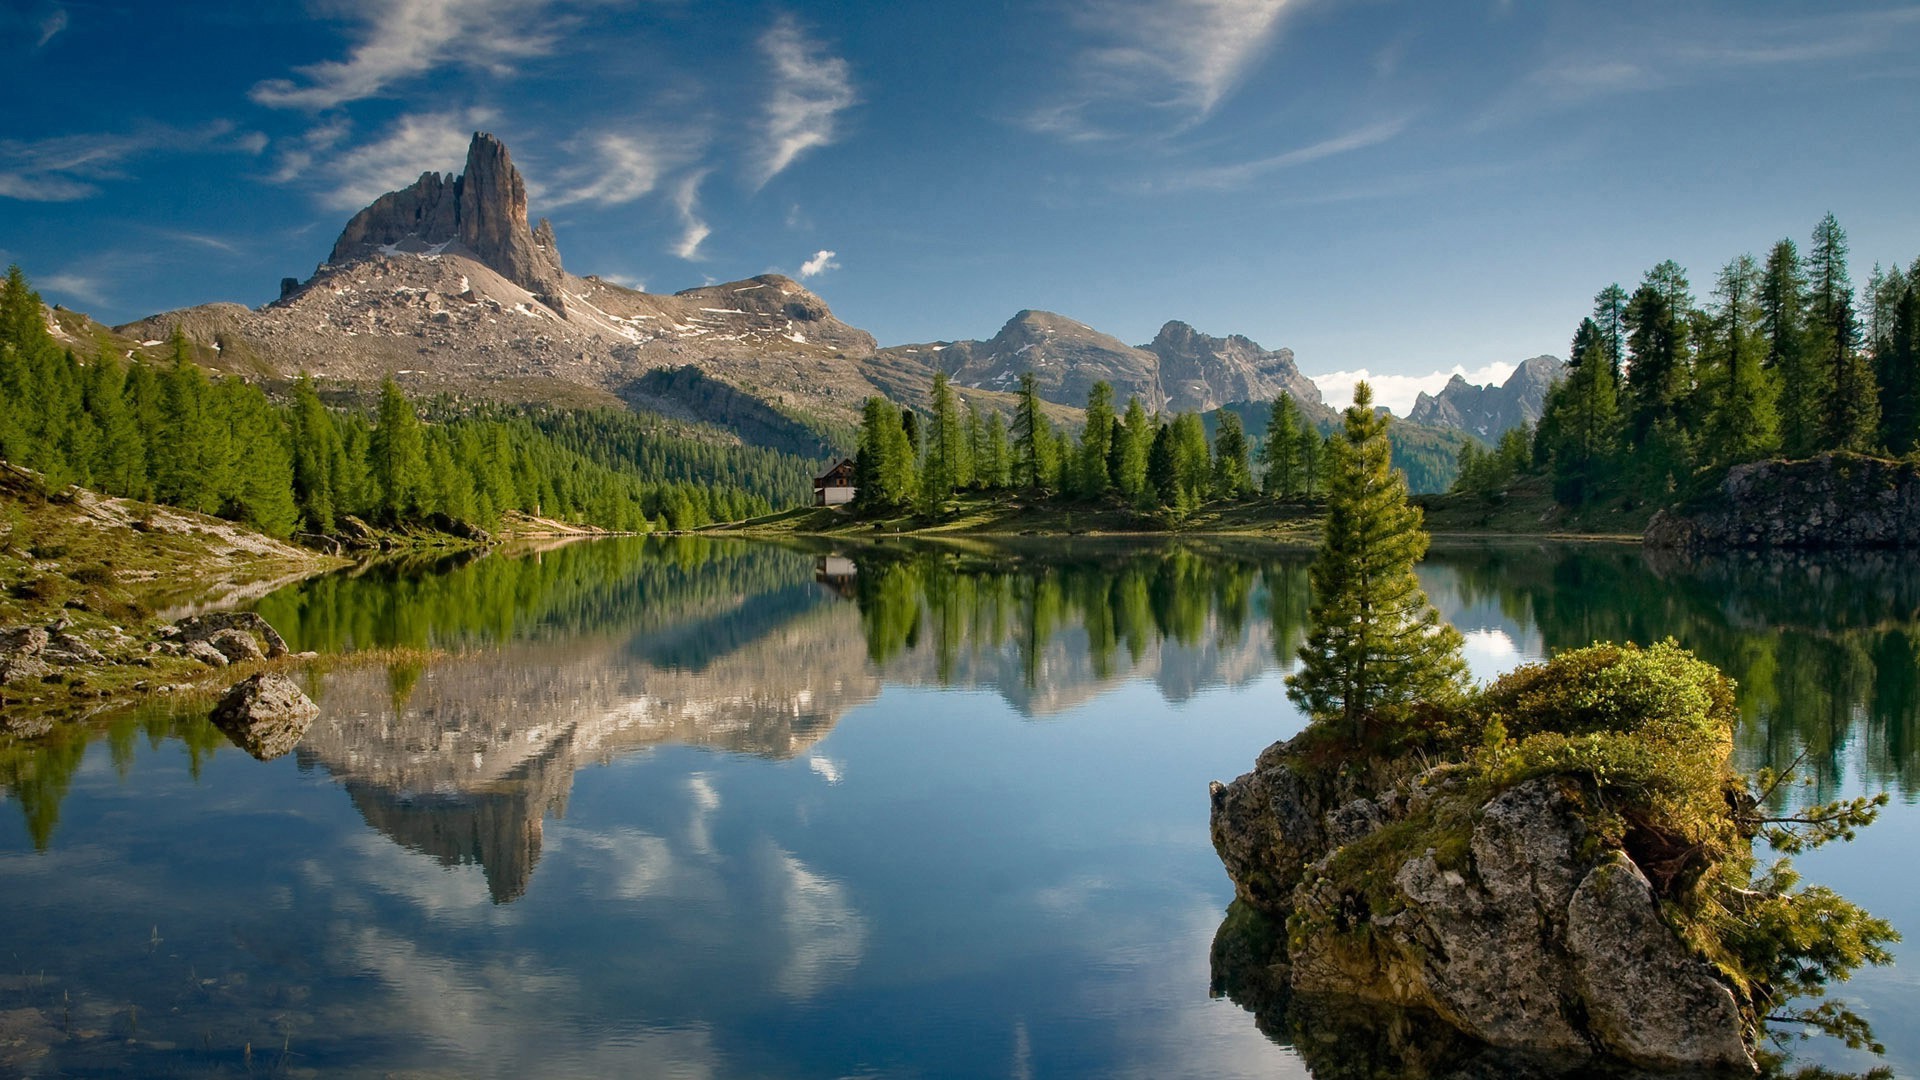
1558 869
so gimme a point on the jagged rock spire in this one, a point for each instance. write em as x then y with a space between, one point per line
483 210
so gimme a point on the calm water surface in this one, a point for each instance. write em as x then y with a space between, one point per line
699 809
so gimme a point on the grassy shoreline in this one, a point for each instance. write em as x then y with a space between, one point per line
1523 514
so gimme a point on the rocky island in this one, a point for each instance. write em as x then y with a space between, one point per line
1563 867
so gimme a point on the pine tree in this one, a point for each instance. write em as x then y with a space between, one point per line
1610 322
1375 645
1657 379
1851 405
397 456
1194 457
119 466
1280 453
316 448
977 451
190 466
1900 375
1789 357
1583 413
1313 460
941 473
1135 442
1090 476
1163 467
997 471
1032 438
1232 479
1745 421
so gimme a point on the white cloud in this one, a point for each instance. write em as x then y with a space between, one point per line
422 142
1398 392
1186 56
65 167
69 167
821 262
1242 173
401 39
686 203
622 168
297 156
811 88
54 22
76 286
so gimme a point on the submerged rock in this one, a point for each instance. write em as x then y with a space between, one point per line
265 715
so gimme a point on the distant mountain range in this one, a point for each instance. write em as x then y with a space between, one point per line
1491 411
448 285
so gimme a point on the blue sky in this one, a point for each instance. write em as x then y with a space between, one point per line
1396 187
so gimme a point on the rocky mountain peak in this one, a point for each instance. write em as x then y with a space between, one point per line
483 211
1490 411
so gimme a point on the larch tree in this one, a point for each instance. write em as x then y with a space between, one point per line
1900 375
1089 477
945 445
1135 441
1232 478
1610 322
1851 406
1034 455
1745 421
1280 452
1783 321
396 454
1375 644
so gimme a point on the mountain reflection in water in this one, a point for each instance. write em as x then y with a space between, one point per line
688 661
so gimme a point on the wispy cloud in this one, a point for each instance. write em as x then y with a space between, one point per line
821 262
69 167
618 167
1399 392
1179 57
82 287
406 39
211 243
811 88
414 144
296 156
1685 48
50 25
686 203
1240 174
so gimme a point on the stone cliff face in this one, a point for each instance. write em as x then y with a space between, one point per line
1492 411
1181 370
1836 501
1534 935
1200 372
484 210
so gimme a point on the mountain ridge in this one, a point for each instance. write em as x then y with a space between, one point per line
1489 412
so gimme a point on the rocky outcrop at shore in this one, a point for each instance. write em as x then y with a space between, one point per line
1834 502
1528 932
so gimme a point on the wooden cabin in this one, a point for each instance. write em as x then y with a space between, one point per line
836 487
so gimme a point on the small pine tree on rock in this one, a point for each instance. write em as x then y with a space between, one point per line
1375 644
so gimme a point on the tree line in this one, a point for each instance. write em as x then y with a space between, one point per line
1785 358
1165 464
220 445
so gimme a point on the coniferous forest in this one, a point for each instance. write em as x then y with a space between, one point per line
291 462
1165 465
1784 358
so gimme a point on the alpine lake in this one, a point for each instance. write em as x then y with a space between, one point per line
706 808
